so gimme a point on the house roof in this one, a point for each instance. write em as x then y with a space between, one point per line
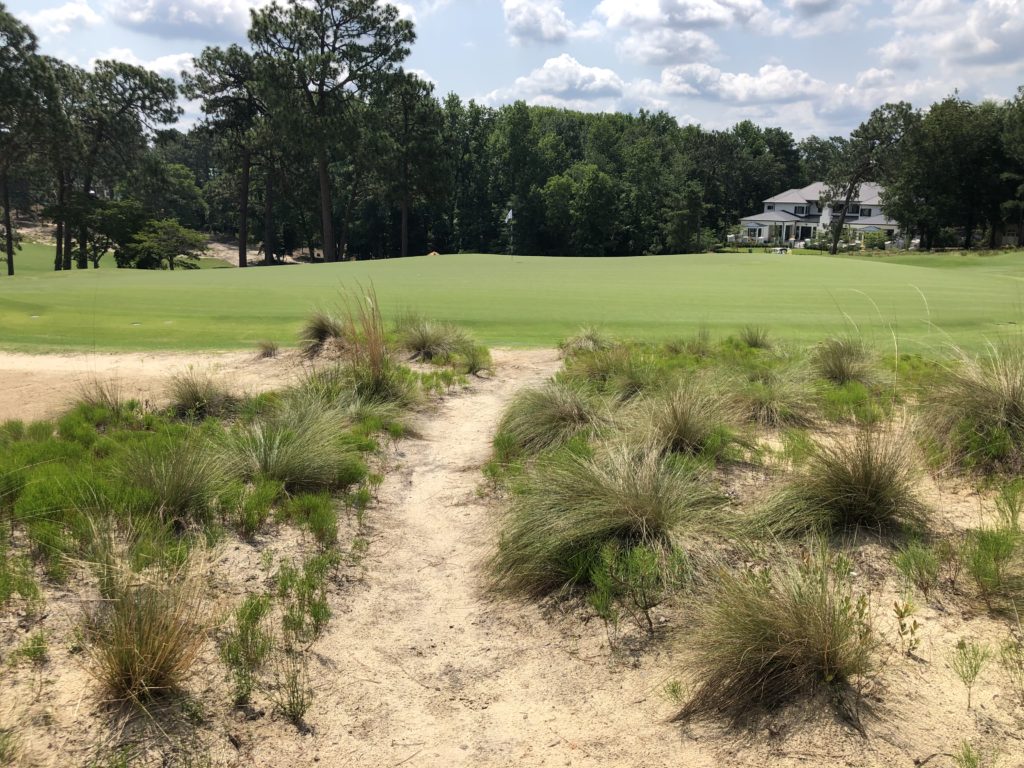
771 217
870 194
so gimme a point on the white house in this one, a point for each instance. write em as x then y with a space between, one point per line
798 214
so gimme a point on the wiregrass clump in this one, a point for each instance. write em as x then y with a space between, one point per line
144 640
866 481
692 418
302 445
318 329
767 637
842 360
587 339
618 372
755 337
568 507
430 340
976 410
548 416
196 394
776 396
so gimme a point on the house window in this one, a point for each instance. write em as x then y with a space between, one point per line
769 206
865 211
800 210
854 209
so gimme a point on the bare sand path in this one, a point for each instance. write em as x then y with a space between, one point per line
425 670
41 386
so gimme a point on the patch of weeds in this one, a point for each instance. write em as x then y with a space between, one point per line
618 372
266 349
1011 660
292 692
987 555
303 595
196 394
797 445
755 337
844 360
17 578
919 564
767 637
247 646
587 339
34 649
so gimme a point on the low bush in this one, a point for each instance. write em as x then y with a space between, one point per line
196 394
866 481
976 411
476 359
989 557
842 360
568 507
587 339
548 416
767 637
317 513
144 641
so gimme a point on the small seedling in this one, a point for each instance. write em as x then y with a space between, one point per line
906 625
967 661
292 693
919 565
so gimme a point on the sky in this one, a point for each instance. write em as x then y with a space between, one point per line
808 66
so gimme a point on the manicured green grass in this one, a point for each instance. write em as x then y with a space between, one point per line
526 301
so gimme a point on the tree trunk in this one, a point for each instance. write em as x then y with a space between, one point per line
268 216
58 261
405 226
969 233
5 194
837 228
83 230
326 207
243 210
68 235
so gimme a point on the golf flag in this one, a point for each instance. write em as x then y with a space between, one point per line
508 216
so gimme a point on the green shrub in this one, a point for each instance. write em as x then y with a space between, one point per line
302 445
967 660
103 394
316 512
292 692
249 506
568 507
476 359
692 417
776 396
247 646
145 640
587 339
988 555
975 411
867 481
842 360
303 594
767 637
549 416
195 394
852 401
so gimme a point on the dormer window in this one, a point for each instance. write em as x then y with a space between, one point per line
854 209
800 210
865 211
769 206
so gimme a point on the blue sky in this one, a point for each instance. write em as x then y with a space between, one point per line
809 66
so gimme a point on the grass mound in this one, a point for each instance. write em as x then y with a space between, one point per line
587 339
301 444
196 394
692 418
866 481
844 360
549 416
765 638
568 507
318 329
976 411
430 340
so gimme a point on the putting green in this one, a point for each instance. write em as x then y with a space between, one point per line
927 300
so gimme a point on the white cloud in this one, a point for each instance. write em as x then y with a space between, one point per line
58 21
198 19
773 83
563 81
668 46
543 21
170 65
680 13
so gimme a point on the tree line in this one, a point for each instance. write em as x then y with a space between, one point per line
315 137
